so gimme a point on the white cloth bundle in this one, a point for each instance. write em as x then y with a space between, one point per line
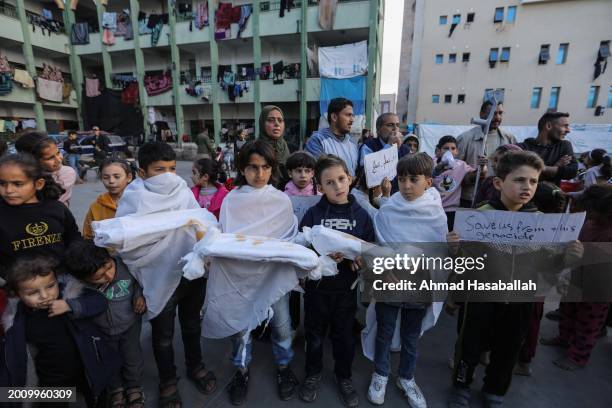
401 221
158 222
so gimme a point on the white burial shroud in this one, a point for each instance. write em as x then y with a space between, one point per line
401 222
157 222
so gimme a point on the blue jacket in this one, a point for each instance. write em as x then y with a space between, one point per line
324 141
349 218
100 362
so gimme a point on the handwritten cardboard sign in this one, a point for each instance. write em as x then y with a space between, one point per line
517 227
379 165
301 204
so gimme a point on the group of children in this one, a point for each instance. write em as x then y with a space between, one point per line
82 308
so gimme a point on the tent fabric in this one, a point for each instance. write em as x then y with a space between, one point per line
353 89
344 61
582 137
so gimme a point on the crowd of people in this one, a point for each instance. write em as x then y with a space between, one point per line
81 306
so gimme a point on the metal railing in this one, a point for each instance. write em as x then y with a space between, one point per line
8 10
275 4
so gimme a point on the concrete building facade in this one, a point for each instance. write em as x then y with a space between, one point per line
544 54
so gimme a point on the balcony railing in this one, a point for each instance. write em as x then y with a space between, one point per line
275 4
8 10
11 11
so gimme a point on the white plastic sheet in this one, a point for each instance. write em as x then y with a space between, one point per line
344 61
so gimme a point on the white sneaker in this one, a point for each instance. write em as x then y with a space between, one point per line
378 386
412 392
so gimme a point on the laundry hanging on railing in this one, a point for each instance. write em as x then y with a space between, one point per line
124 25
353 89
200 17
92 87
327 14
343 61
6 83
23 77
49 90
158 84
51 73
227 15
109 20
79 34
130 94
4 64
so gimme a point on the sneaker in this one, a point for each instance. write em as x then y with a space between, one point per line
412 392
308 389
492 400
238 387
378 386
347 392
459 398
286 383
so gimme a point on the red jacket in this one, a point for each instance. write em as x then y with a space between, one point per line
215 201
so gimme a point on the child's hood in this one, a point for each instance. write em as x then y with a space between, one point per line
105 200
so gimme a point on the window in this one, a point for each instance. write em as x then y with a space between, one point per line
505 54
499 15
511 16
461 98
435 98
452 58
544 54
562 54
592 98
610 97
448 98
443 20
604 49
456 18
489 93
466 57
439 58
493 56
536 96
553 102
470 17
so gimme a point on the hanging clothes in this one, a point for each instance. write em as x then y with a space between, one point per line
124 25
49 90
143 26
10 125
158 84
79 34
130 94
92 87
4 64
109 20
343 61
354 89
225 16
23 77
108 37
156 32
277 69
285 5
245 13
200 17
327 13
28 124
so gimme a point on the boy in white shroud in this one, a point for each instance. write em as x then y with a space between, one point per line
156 266
414 214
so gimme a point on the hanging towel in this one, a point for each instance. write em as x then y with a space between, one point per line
245 13
49 90
9 126
92 87
143 26
23 77
47 14
28 124
79 34
109 20
327 13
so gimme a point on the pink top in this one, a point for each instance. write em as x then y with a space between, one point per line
65 177
449 184
215 200
293 190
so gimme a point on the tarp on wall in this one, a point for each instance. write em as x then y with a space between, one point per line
583 137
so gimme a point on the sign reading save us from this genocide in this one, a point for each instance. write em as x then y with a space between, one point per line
379 165
517 227
301 204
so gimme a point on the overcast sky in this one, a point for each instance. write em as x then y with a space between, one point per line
392 41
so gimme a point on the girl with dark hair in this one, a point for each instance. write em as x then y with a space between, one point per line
115 175
33 221
300 166
599 169
206 188
49 157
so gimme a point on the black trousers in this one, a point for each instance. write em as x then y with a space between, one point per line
498 327
334 311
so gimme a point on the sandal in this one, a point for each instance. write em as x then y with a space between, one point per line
135 402
172 400
207 383
117 399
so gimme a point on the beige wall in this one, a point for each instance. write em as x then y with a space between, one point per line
583 24
405 60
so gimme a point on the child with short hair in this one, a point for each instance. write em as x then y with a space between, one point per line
206 187
45 151
55 314
516 179
157 190
486 190
115 175
332 301
449 174
33 221
300 166
414 214
121 323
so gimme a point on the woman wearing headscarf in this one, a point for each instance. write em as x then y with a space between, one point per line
271 131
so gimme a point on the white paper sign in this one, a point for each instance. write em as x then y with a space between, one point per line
379 165
301 204
517 227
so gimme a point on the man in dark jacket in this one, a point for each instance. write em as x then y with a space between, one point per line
550 145
101 144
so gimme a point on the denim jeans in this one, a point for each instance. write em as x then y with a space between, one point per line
73 161
188 297
410 330
282 337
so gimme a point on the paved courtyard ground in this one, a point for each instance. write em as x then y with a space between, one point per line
549 387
